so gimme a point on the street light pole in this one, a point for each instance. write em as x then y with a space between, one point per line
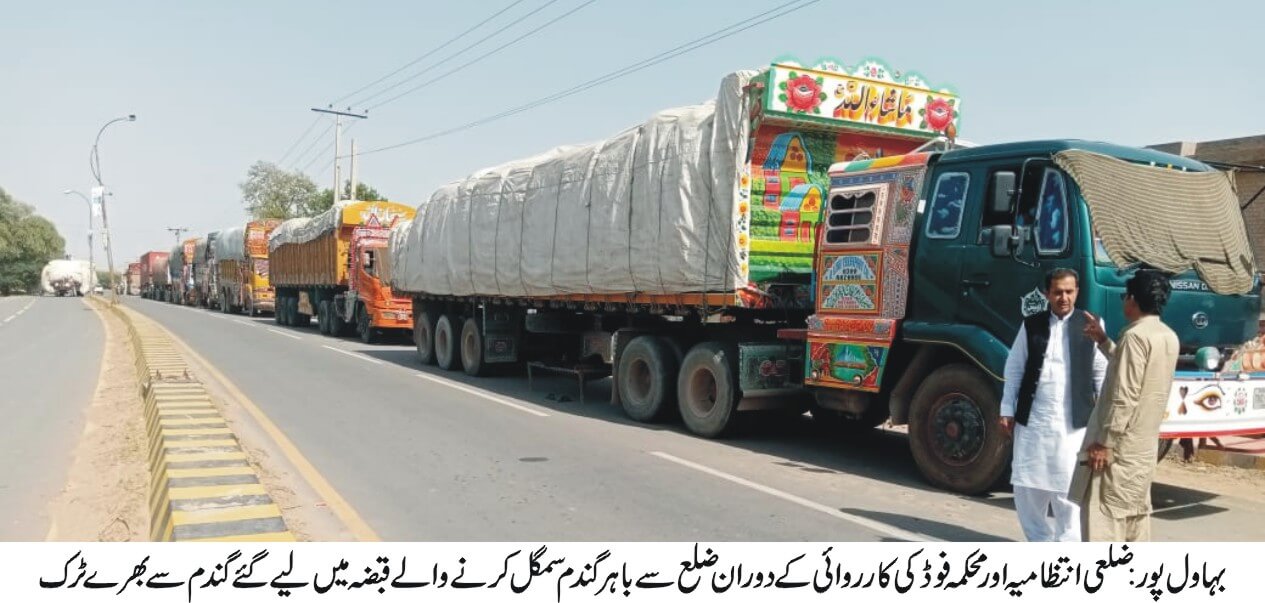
94 161
92 265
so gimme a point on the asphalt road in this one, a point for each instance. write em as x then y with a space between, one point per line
50 359
422 454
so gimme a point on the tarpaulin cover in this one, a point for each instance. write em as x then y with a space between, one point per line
231 244
652 209
302 230
77 272
1198 225
175 263
387 265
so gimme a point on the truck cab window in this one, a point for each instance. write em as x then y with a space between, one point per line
1052 220
367 262
944 217
850 216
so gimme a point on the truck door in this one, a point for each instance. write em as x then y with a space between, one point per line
942 247
1000 289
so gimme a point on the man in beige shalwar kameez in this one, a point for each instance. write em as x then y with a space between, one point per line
1113 480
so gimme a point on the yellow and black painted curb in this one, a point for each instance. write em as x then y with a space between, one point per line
202 487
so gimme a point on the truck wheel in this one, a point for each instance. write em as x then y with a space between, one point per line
648 378
364 326
337 326
1165 446
446 354
472 348
953 430
279 311
707 389
424 337
322 317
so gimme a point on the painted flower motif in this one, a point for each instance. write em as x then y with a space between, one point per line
744 207
939 114
802 94
742 239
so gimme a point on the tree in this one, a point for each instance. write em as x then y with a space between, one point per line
271 192
27 243
325 199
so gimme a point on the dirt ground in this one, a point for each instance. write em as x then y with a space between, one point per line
1248 484
104 497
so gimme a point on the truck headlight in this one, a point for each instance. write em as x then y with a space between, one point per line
1208 358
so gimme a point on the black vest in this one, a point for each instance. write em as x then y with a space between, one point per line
1081 363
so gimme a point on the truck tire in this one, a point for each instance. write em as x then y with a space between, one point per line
648 371
707 389
364 326
954 433
472 348
279 310
446 344
424 337
322 317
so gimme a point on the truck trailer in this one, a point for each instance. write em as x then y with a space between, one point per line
327 266
814 239
180 272
241 256
154 277
132 278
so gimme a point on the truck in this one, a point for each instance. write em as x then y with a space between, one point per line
67 278
180 272
327 266
154 277
205 272
132 278
241 256
814 239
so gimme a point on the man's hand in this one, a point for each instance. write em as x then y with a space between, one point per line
1093 329
1007 426
1099 457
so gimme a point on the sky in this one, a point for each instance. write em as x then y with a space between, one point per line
219 85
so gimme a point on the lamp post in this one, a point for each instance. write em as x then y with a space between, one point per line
94 162
91 264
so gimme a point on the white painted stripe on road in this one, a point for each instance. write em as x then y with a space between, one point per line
864 522
482 394
352 354
284 333
18 313
245 322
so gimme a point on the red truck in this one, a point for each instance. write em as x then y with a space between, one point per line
153 274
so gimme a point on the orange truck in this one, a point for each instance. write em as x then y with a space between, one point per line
241 258
328 266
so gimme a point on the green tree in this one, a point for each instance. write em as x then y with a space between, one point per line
27 243
271 192
325 199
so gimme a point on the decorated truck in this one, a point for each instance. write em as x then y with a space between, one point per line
205 272
814 239
132 278
241 257
72 278
180 272
327 266
154 277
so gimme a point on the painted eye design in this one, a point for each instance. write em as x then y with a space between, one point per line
1209 398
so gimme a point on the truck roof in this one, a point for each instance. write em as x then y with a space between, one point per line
1050 147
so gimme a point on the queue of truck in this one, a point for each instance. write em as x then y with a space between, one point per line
812 240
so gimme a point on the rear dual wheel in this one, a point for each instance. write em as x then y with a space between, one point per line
447 349
648 370
424 336
707 388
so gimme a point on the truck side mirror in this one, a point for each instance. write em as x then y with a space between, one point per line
1003 200
1002 240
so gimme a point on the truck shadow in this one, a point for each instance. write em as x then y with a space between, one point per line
795 440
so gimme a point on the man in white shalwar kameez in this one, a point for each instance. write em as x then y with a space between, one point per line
1046 404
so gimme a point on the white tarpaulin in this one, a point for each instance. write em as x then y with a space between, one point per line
387 265
651 210
302 230
76 274
231 244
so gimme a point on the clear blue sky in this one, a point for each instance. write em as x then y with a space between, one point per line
219 85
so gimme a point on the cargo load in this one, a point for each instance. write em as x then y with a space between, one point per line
241 267
67 277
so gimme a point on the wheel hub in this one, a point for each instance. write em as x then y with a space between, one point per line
957 429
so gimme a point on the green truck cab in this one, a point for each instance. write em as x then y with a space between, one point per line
927 264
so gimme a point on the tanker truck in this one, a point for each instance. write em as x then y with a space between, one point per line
154 277
814 239
327 266
67 278
241 256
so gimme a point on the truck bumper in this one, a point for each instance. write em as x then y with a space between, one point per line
1205 404
393 319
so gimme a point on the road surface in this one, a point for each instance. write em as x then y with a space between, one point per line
423 454
50 359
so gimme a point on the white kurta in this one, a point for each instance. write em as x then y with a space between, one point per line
1045 449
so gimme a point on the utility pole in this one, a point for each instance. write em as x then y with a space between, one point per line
338 130
353 170
177 230
98 192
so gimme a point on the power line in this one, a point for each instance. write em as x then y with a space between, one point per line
300 139
480 41
428 53
691 46
315 141
327 149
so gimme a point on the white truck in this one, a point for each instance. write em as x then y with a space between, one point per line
67 277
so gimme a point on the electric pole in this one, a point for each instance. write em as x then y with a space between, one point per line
177 231
338 130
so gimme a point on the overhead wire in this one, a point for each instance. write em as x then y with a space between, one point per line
428 53
299 140
300 158
716 36
477 59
